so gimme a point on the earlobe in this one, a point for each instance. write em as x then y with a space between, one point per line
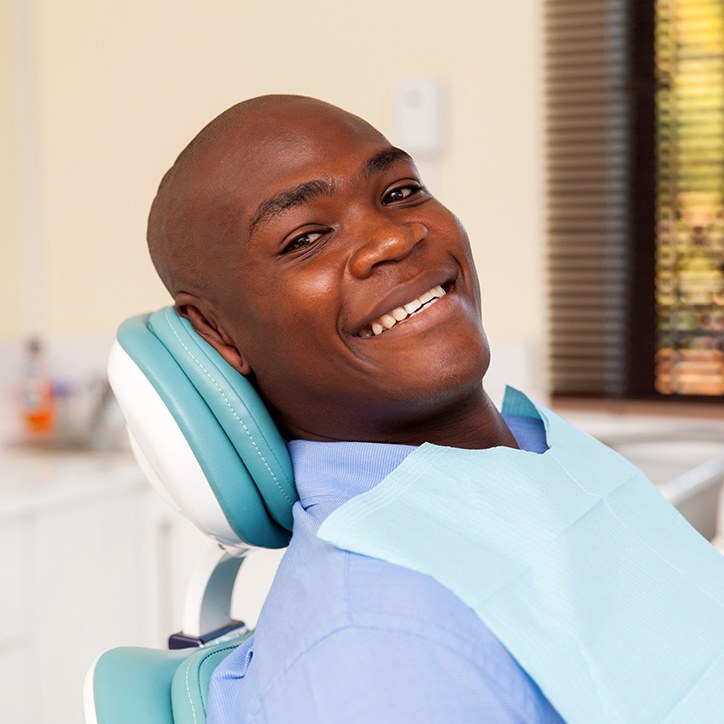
213 333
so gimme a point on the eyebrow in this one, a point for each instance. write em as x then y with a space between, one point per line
290 198
375 164
385 158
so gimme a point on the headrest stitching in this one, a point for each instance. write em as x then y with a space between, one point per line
233 411
188 690
191 661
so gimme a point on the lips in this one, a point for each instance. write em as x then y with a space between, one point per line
401 313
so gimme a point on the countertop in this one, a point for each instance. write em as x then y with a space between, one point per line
32 478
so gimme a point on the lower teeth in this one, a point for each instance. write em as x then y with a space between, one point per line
369 333
426 305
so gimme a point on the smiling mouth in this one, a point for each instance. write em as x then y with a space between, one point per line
400 314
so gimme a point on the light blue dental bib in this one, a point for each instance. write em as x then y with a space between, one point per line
603 593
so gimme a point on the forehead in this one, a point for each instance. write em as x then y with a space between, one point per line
260 159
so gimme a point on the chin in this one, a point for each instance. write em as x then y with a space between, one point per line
444 376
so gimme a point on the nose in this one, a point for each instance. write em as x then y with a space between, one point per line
388 241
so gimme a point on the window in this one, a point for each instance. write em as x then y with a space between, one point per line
689 57
635 174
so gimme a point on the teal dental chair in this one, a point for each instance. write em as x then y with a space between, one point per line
205 441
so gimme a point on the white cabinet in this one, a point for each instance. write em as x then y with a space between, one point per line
15 674
15 662
89 592
89 559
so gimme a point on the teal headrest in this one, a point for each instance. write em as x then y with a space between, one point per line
221 416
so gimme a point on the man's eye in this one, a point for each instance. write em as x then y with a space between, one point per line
299 242
400 194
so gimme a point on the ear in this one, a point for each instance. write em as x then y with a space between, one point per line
211 331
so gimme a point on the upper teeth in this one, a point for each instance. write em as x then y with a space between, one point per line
389 320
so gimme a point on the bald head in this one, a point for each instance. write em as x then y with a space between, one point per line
295 238
195 216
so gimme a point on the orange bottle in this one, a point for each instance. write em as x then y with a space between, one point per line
37 395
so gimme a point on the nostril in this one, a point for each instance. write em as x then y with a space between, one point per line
419 230
393 245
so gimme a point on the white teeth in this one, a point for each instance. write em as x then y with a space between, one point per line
433 301
389 320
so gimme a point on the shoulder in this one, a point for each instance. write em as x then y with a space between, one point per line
341 631
321 590
379 594
362 674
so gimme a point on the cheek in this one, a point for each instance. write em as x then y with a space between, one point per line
456 236
295 319
313 294
307 309
286 294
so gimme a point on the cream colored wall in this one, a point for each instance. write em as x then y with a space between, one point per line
11 264
121 87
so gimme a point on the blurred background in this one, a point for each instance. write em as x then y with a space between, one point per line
101 99
581 144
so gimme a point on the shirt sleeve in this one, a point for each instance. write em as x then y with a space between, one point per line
362 675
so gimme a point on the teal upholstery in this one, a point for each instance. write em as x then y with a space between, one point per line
190 685
146 686
224 421
245 463
134 685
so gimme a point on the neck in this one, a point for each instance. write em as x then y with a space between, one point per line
472 422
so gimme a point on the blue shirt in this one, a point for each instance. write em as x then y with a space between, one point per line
345 639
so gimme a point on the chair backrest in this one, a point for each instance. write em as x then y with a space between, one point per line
147 686
201 432
206 442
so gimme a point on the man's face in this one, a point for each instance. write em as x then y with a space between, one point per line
349 290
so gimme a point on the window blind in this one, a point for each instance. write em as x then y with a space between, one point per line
635 197
588 142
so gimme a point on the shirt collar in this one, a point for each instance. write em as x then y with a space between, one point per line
338 471
328 474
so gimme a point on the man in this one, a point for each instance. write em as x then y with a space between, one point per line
306 249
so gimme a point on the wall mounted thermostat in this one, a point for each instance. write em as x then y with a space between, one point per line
418 115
